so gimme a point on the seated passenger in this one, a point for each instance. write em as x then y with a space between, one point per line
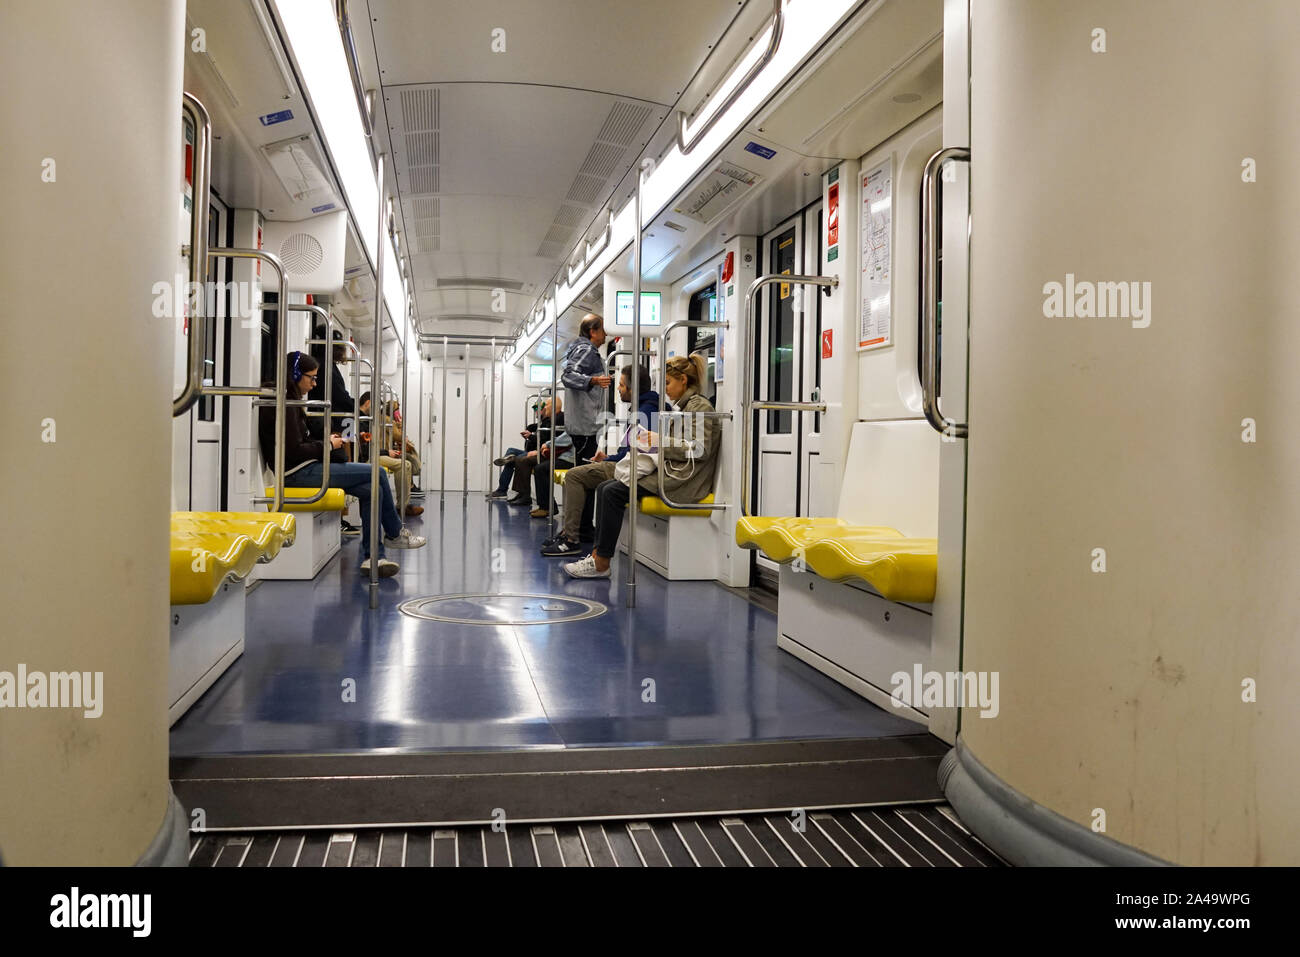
578 482
535 457
390 459
302 465
690 455
507 463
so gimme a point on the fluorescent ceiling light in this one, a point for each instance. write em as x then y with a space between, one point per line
317 48
807 24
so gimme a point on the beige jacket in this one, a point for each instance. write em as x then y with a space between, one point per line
690 445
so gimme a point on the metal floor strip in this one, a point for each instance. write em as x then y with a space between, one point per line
903 836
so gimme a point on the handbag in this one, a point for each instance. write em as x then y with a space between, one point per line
645 465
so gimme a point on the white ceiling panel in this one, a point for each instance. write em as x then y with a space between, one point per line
645 50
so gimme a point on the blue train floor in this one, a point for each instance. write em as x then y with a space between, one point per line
321 672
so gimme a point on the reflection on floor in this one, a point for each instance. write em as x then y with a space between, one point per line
427 685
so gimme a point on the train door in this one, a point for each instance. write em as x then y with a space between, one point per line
467 406
787 329
208 414
197 435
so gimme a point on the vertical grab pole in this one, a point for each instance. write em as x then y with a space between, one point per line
492 410
634 503
442 428
376 400
501 412
464 478
555 411
406 415
464 475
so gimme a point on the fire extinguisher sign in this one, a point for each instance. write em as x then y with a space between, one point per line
833 215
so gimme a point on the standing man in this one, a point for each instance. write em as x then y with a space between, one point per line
583 373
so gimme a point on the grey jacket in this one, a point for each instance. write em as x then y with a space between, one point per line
584 402
690 445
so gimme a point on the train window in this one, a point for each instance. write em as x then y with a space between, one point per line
269 301
704 308
780 334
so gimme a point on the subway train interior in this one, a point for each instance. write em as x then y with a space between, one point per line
679 433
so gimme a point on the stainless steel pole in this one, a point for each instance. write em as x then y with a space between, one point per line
555 413
403 470
492 411
376 407
634 503
442 428
464 480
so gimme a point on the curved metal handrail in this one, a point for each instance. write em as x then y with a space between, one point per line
930 292
748 405
778 26
197 249
663 413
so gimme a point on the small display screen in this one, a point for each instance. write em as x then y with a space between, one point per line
649 308
539 373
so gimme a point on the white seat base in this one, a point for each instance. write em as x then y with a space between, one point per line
205 640
319 538
680 548
841 630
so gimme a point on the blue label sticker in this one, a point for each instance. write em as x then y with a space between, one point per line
763 151
272 118
321 209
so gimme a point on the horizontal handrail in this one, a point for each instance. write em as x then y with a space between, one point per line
778 25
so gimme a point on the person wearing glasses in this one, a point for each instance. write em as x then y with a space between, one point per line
302 464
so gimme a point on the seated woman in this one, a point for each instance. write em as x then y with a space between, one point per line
302 464
690 454
578 482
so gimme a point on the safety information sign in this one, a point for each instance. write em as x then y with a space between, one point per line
874 327
833 216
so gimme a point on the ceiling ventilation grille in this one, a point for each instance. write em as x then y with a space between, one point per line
623 122
607 159
422 125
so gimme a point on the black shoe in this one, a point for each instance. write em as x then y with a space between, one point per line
497 495
348 528
521 502
504 460
562 548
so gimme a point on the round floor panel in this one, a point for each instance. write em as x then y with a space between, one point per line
502 609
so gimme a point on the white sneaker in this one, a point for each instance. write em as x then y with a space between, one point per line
387 569
585 568
405 539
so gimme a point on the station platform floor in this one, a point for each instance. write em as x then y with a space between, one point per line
426 685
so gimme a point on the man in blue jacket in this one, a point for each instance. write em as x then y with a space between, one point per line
583 373
579 482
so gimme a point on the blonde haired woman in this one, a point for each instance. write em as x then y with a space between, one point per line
690 462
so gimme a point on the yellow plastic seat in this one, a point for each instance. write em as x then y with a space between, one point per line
269 530
333 501
654 505
898 567
201 561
